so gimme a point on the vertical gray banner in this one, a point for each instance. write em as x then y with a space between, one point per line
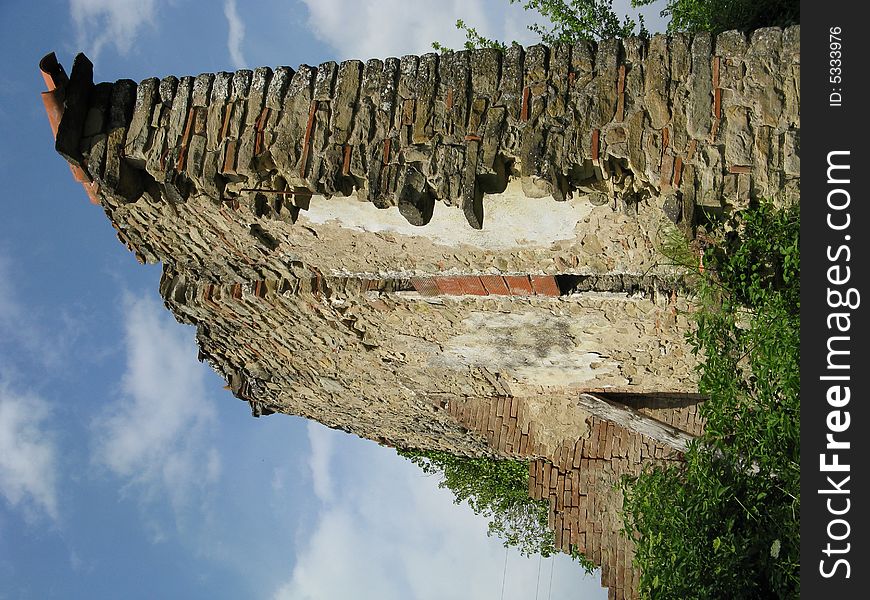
834 234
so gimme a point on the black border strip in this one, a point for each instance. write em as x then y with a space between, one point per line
833 131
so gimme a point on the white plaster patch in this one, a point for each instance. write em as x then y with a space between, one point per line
510 220
534 348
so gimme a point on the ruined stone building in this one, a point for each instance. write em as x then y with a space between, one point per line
449 251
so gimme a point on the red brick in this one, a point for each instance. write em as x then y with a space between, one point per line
495 285
519 285
608 442
717 104
490 421
472 286
499 410
229 165
303 163
544 285
595 141
449 286
480 416
185 141
345 167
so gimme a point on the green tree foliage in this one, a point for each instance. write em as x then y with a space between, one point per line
573 20
725 524
570 20
497 490
721 15
565 21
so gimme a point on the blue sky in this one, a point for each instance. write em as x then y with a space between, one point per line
126 471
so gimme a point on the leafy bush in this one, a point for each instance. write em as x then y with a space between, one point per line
497 490
725 524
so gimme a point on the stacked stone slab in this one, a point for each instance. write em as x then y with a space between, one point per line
688 122
406 339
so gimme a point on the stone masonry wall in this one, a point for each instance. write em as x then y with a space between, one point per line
373 362
635 126
443 251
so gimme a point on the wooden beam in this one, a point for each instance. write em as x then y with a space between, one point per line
635 421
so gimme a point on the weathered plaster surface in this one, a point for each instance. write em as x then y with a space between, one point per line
513 220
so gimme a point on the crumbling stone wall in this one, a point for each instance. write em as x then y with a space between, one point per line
443 251
373 362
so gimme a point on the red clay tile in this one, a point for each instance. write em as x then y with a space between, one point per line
472 286
303 163
345 167
519 285
495 285
544 285
449 286
595 134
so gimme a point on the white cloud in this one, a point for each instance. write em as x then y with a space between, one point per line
321 442
113 22
159 435
236 34
386 531
26 335
28 457
379 28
